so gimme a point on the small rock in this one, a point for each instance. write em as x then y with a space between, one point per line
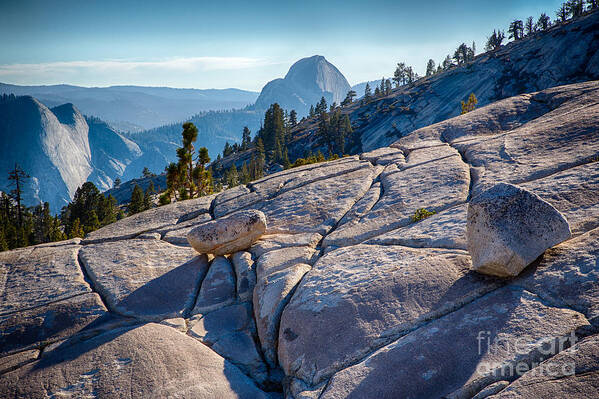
509 227
228 235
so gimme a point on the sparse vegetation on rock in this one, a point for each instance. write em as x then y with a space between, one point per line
422 214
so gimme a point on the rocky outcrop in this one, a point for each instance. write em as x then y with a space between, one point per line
144 278
346 294
150 360
452 357
363 296
231 234
509 227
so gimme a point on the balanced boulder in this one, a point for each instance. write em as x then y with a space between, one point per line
509 227
228 235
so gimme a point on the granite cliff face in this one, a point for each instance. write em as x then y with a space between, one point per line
345 295
307 81
60 149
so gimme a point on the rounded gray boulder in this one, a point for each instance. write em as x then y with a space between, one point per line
229 234
509 227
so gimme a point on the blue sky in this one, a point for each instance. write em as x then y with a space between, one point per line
243 44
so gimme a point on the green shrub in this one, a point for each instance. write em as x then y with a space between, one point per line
421 214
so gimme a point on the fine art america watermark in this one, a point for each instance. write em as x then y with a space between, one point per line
491 346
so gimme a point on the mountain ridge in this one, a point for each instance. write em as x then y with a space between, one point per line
59 150
139 107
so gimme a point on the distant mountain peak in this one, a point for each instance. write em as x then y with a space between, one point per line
305 83
66 113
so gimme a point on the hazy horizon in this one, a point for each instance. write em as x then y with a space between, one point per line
233 44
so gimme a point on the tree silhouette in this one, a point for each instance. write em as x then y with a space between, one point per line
494 41
516 29
430 67
544 22
16 178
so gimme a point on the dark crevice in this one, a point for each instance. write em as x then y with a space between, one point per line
585 161
212 206
410 246
124 237
197 292
470 168
92 285
326 386
20 364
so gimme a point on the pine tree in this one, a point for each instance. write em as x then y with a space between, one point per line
349 98
86 198
343 130
575 8
16 178
543 23
529 26
463 54
494 41
324 132
93 222
562 13
228 150
447 63
137 201
76 229
470 105
516 29
367 92
388 87
232 177
293 118
185 155
150 191
273 132
201 177
146 173
399 76
3 243
173 182
592 4
47 223
245 174
430 68
377 92
56 233
107 210
258 172
246 138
